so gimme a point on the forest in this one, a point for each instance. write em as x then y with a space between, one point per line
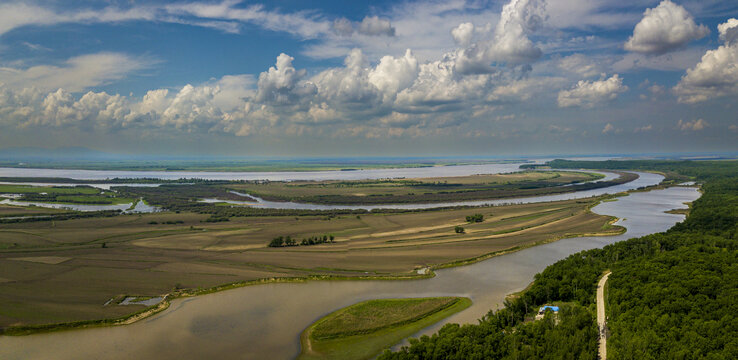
671 295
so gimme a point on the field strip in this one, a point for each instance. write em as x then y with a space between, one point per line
451 241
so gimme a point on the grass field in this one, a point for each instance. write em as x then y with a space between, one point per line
527 183
64 195
82 263
10 210
363 330
55 190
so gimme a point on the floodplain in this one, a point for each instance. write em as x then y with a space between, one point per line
70 270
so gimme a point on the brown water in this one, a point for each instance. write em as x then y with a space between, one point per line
264 321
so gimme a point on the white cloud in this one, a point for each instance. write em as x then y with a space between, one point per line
75 74
716 74
591 93
510 43
729 31
18 14
581 65
664 28
374 26
393 75
279 84
694 125
608 128
343 27
304 24
369 26
463 33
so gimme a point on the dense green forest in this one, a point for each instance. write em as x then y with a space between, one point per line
670 296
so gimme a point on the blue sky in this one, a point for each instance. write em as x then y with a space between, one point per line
512 77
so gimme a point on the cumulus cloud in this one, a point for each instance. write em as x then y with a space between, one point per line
518 17
397 92
729 31
279 84
393 75
591 93
717 72
509 44
694 125
75 74
664 28
463 33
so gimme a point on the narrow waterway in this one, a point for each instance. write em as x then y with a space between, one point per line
265 321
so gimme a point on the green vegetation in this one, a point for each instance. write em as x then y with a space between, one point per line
671 295
475 187
476 218
51 190
363 330
459 230
64 194
281 241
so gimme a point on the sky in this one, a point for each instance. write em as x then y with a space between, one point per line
370 78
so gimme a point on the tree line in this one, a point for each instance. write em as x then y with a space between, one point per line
282 241
671 295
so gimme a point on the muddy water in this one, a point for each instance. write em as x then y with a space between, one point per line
431 171
264 321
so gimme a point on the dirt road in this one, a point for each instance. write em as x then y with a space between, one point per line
601 318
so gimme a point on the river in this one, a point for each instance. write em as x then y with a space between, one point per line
367 174
265 321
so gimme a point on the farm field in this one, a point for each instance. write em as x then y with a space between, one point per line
60 271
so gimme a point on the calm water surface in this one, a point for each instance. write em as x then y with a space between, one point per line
265 321
434 171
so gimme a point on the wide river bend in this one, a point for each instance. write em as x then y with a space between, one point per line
265 321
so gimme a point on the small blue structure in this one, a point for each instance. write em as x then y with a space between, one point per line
548 307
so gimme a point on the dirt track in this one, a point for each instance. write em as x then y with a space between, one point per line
601 318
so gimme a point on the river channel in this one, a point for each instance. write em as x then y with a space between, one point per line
363 174
265 321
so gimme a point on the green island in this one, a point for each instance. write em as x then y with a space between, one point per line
671 295
421 190
363 330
